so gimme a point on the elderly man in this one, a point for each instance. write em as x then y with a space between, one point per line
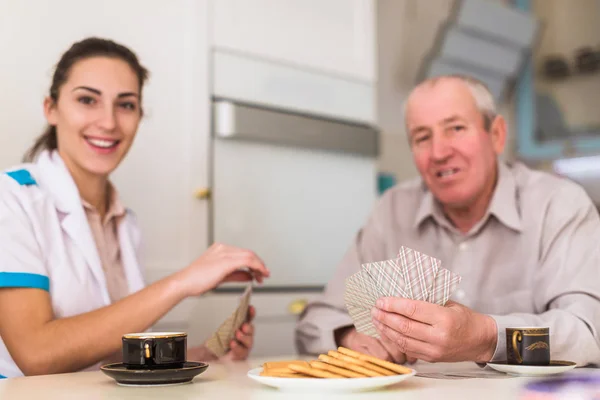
525 243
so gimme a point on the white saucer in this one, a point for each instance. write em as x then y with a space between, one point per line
555 367
331 385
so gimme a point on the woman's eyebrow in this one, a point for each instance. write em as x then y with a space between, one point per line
96 91
127 94
99 93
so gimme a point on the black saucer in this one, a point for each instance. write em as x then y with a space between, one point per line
151 377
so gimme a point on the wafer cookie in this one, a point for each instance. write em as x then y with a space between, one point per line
374 360
343 364
317 373
336 370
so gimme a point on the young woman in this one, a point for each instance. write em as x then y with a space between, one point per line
70 280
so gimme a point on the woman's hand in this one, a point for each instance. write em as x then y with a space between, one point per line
200 353
219 264
240 346
243 340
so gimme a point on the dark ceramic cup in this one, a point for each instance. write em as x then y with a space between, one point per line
152 350
528 346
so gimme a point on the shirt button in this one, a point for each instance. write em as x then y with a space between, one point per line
463 246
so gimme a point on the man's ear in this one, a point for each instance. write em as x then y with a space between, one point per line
498 134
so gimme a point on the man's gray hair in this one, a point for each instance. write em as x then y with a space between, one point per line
479 90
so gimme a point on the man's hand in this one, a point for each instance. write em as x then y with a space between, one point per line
382 349
434 333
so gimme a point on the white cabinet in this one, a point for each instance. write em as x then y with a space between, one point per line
336 36
248 79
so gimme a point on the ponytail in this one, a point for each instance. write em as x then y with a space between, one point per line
46 141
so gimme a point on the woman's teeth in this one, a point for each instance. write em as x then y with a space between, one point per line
105 144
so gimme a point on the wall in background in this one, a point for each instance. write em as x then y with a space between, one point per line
569 26
406 30
567 119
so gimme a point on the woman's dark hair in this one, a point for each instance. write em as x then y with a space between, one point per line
87 48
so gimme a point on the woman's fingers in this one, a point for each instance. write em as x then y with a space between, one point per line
242 344
239 352
248 259
251 315
245 340
239 276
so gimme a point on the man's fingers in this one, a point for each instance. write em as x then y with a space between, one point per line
417 310
369 345
376 349
396 355
405 326
407 345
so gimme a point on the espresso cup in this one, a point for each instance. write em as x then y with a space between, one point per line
154 350
528 346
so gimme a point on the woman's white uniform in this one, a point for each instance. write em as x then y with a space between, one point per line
46 243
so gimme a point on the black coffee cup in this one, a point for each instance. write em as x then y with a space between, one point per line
528 346
151 350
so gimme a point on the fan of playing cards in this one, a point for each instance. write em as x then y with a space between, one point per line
219 342
412 275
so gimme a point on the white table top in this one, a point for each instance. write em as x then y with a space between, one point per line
229 381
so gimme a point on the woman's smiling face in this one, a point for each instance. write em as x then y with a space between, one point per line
96 115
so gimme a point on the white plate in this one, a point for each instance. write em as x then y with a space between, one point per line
335 385
555 367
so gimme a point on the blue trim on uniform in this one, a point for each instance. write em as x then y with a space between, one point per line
23 177
3 377
24 280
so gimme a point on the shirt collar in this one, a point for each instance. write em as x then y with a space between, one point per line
504 204
427 208
505 201
57 180
115 207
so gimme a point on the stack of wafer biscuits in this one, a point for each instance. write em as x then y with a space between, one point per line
343 363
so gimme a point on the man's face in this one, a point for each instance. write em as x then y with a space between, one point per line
454 154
